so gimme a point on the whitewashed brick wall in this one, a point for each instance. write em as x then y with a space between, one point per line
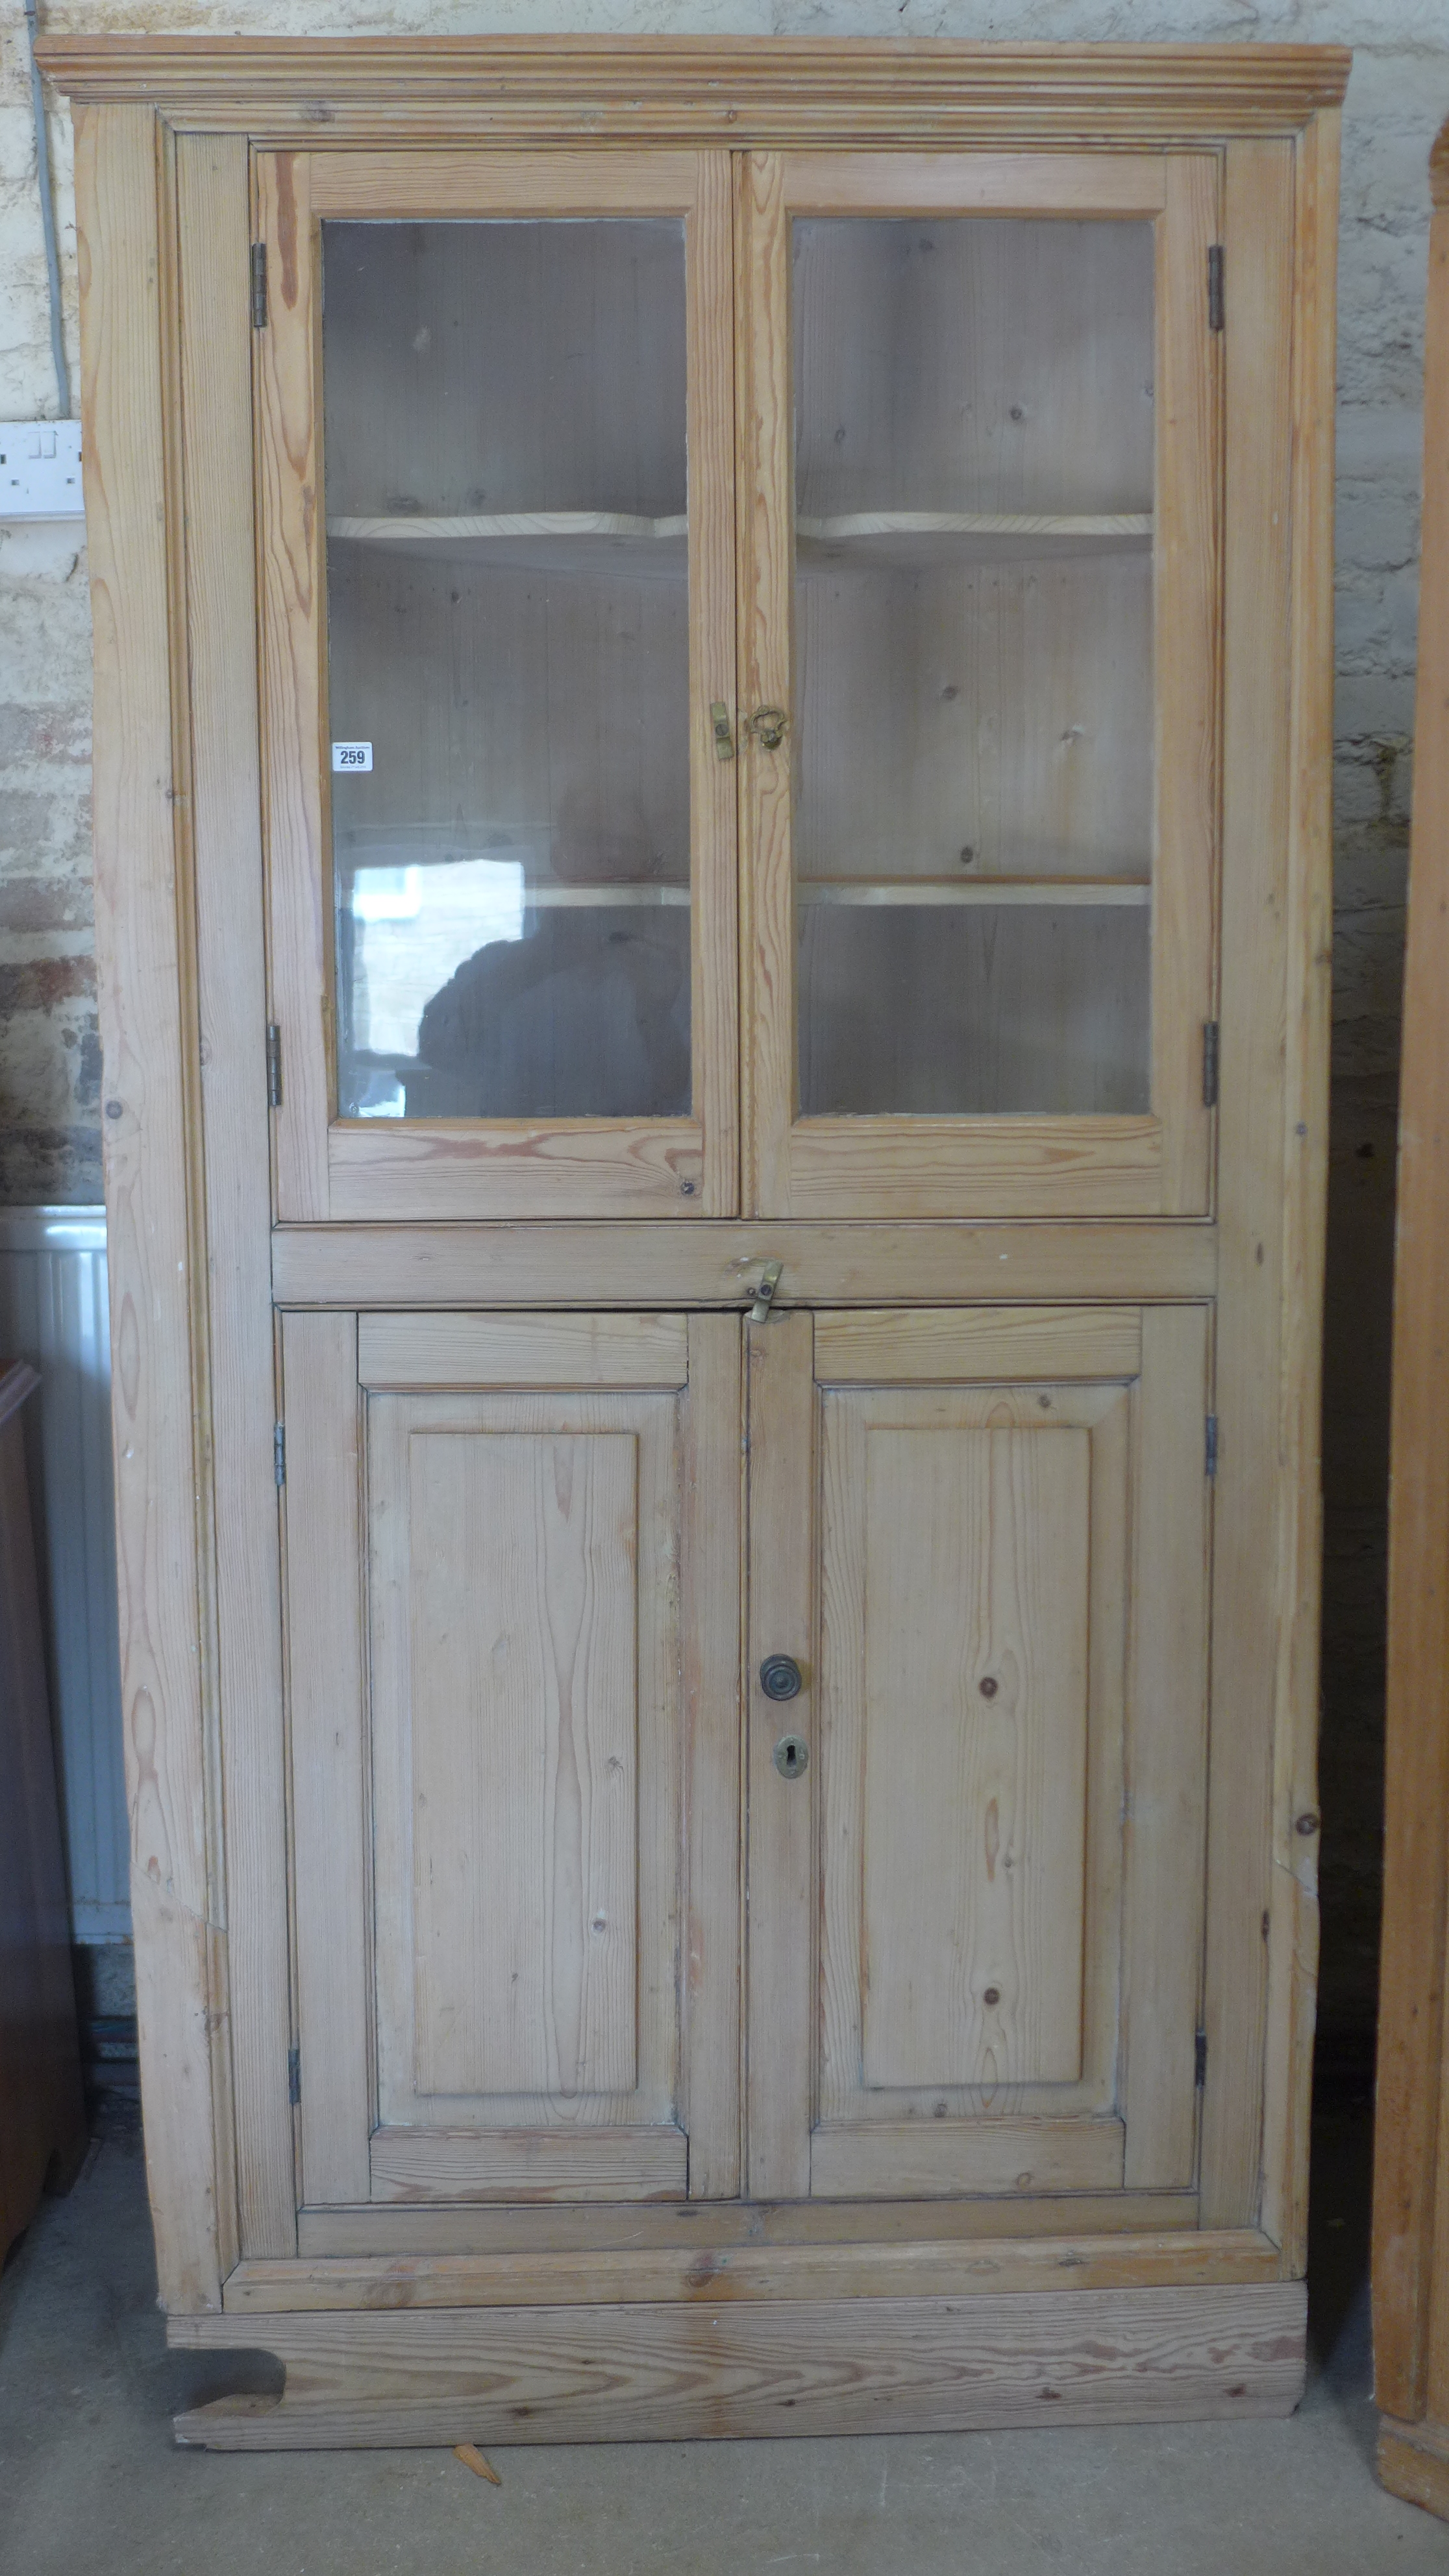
1399 93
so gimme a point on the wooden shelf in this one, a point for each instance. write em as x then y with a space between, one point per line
1095 892
584 898
554 541
913 540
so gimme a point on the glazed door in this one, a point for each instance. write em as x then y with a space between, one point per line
512 1573
495 470
976 1830
980 425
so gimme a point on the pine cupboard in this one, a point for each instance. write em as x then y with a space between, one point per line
712 713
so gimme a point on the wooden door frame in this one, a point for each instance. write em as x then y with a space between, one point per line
1155 1164
180 951
408 1169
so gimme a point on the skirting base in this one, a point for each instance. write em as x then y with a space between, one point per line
1413 2462
362 2378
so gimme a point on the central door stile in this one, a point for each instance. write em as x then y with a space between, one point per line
780 1875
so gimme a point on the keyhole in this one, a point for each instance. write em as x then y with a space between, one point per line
792 1753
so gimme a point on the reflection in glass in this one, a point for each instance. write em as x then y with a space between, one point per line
973 810
508 633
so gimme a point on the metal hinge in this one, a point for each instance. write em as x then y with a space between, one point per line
259 286
1215 287
279 1453
274 1065
1199 2059
1210 1445
1210 1064
769 1281
294 2076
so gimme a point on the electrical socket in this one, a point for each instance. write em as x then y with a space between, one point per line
40 469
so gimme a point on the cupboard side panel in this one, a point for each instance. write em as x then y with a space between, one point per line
1247 1572
780 1964
1293 1949
326 1672
212 193
1166 1753
144 1087
711 1570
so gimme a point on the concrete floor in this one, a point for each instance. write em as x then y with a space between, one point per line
89 2479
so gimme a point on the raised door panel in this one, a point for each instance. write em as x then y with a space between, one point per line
549 1653
497 608
994 1979
979 403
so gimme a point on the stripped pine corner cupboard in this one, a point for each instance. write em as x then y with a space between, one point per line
712 874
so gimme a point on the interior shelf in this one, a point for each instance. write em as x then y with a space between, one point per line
911 540
896 891
557 541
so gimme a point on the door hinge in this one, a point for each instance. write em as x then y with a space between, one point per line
1199 2059
1210 1054
274 1065
259 286
1210 1445
294 2076
769 1281
1215 287
279 1453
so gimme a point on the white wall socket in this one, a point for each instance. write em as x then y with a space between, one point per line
40 469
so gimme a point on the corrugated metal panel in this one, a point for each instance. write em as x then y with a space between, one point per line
53 1312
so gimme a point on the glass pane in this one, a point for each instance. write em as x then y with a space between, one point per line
508 650
973 791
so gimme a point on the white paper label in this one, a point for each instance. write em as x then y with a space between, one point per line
352 755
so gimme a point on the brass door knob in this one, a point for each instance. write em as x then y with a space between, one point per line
781 1677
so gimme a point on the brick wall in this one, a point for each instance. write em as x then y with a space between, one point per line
49 1067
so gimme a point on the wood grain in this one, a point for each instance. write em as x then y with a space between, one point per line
531 90
145 1091
621 2163
681 2372
523 1740
713 783
1007 183
427 1350
1293 1940
1409 2266
441 1602
327 1691
710 2271
399 187
996 2154
214 411
1166 1751
779 1879
1187 626
955 1418
564 1265
1257 518
1024 1342
711 1591
974 1807
976 2222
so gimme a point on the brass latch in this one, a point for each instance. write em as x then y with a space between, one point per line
769 1281
724 742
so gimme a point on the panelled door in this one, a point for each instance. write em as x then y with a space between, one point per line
980 442
979 1547
496 491
512 1567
